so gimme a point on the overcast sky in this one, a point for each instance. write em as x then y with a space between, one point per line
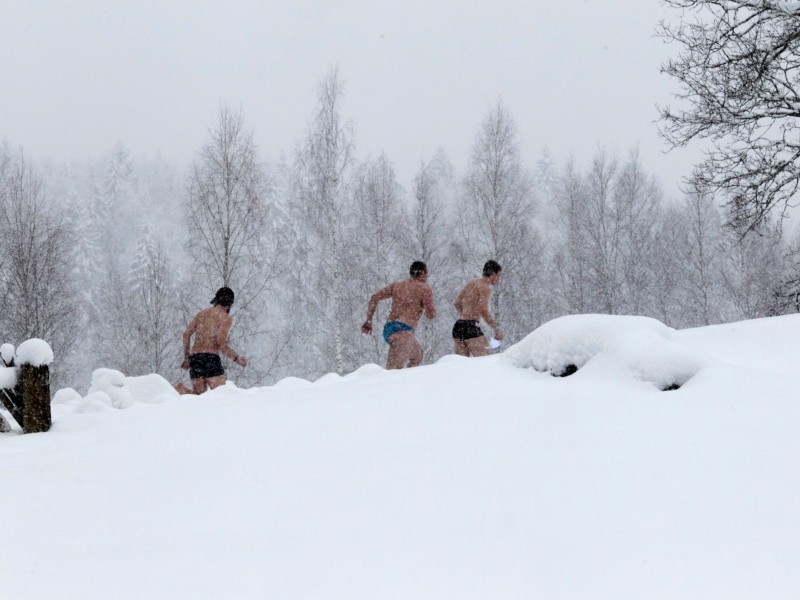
78 76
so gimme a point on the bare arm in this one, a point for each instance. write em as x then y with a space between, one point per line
222 338
187 336
224 347
487 316
483 299
382 294
372 306
224 332
459 303
427 303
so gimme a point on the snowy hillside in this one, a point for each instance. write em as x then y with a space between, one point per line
470 478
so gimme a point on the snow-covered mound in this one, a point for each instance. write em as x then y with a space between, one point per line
470 478
642 347
111 389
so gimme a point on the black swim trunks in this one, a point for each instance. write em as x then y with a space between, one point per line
205 364
466 330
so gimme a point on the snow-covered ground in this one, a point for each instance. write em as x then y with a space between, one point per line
470 478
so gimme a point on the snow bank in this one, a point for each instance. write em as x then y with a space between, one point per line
641 346
110 389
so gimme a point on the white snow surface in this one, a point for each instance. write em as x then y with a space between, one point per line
470 478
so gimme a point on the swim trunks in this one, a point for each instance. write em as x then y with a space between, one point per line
466 330
393 327
205 364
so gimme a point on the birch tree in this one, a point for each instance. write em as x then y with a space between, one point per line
140 332
572 257
702 264
227 215
37 291
496 219
638 202
324 165
432 195
377 248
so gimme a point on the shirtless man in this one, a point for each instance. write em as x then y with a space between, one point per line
472 305
210 328
409 298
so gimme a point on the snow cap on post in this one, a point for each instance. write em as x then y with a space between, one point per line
34 352
7 354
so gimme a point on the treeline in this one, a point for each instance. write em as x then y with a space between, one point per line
107 261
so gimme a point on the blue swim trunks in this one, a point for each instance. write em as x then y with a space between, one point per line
393 327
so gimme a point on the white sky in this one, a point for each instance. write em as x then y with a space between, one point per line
79 76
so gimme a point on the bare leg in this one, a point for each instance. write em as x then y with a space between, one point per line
199 385
460 347
217 381
415 359
477 346
182 389
401 346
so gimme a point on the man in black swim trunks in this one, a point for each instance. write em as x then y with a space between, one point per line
210 328
472 305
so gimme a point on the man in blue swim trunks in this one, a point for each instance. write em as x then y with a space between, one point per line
410 297
210 328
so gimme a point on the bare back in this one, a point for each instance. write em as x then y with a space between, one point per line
410 298
472 303
210 328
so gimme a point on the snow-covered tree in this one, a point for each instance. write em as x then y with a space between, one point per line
323 166
227 214
37 292
432 198
376 252
496 220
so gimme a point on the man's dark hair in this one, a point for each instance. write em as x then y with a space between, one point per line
418 268
224 297
491 267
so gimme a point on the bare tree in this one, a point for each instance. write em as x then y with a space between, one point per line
432 194
608 251
496 219
739 65
323 165
37 292
702 260
225 208
752 273
569 236
375 253
603 227
138 335
638 201
668 273
227 216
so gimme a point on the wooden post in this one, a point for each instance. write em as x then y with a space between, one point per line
35 384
